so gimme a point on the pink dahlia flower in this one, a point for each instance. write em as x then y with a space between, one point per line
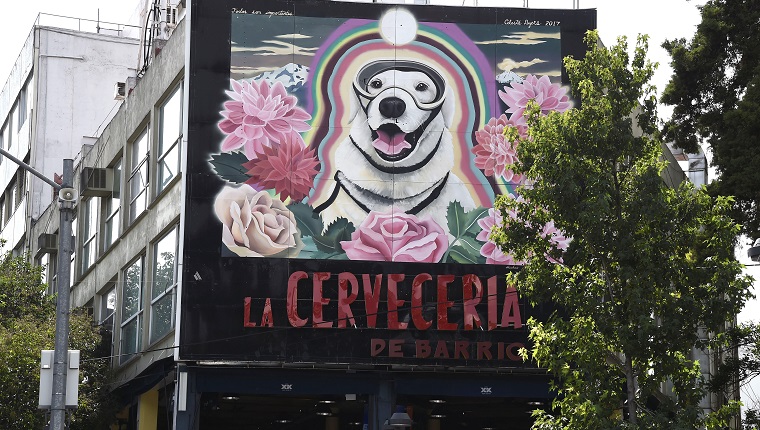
549 96
494 152
557 239
492 252
397 237
287 167
259 115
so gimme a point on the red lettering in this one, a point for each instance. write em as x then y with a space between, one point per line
419 321
423 348
394 303
492 303
500 350
247 313
377 346
371 298
345 298
394 348
513 351
444 303
266 316
318 301
461 349
440 350
292 301
510 314
484 350
471 317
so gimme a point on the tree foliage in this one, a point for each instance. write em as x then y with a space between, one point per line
650 267
715 93
27 326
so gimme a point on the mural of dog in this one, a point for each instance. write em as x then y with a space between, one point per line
399 153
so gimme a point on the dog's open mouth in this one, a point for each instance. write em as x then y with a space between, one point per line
391 143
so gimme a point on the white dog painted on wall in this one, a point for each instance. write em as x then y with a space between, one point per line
399 153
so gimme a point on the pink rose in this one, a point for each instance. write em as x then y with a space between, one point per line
254 224
397 237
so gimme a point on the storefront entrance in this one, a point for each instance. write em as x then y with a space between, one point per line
257 399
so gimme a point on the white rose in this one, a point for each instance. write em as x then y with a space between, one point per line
254 224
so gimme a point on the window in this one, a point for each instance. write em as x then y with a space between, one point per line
112 206
72 267
10 197
21 184
52 272
164 283
89 233
3 212
168 141
138 177
131 310
7 135
22 108
9 128
48 263
107 308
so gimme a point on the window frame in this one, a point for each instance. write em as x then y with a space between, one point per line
158 297
136 168
111 208
136 316
91 208
171 150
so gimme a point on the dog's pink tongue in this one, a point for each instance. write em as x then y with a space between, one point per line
390 145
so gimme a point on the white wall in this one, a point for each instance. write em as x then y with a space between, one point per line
76 73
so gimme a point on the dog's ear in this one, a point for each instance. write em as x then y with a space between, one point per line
448 107
353 107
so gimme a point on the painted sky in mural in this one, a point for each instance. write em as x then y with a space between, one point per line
379 140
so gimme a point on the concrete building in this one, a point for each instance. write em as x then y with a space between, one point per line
44 118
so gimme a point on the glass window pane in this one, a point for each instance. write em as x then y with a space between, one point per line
171 121
130 339
168 167
164 270
131 294
162 317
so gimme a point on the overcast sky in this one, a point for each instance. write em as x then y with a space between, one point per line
660 19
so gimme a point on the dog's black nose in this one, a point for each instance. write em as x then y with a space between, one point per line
392 107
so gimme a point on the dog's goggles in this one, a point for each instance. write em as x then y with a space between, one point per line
371 69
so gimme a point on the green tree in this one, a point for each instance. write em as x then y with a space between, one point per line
27 326
715 93
649 266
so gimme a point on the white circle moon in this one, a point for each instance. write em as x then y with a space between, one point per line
398 26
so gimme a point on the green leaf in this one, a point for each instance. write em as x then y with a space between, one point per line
339 230
307 221
465 253
229 166
462 223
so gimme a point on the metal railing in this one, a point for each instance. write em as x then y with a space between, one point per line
87 25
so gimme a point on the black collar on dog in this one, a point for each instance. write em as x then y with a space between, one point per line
413 211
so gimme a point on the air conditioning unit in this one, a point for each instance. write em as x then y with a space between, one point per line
96 182
120 91
47 243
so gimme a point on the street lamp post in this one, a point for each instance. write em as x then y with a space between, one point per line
67 197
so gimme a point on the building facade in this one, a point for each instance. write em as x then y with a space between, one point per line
285 222
44 119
